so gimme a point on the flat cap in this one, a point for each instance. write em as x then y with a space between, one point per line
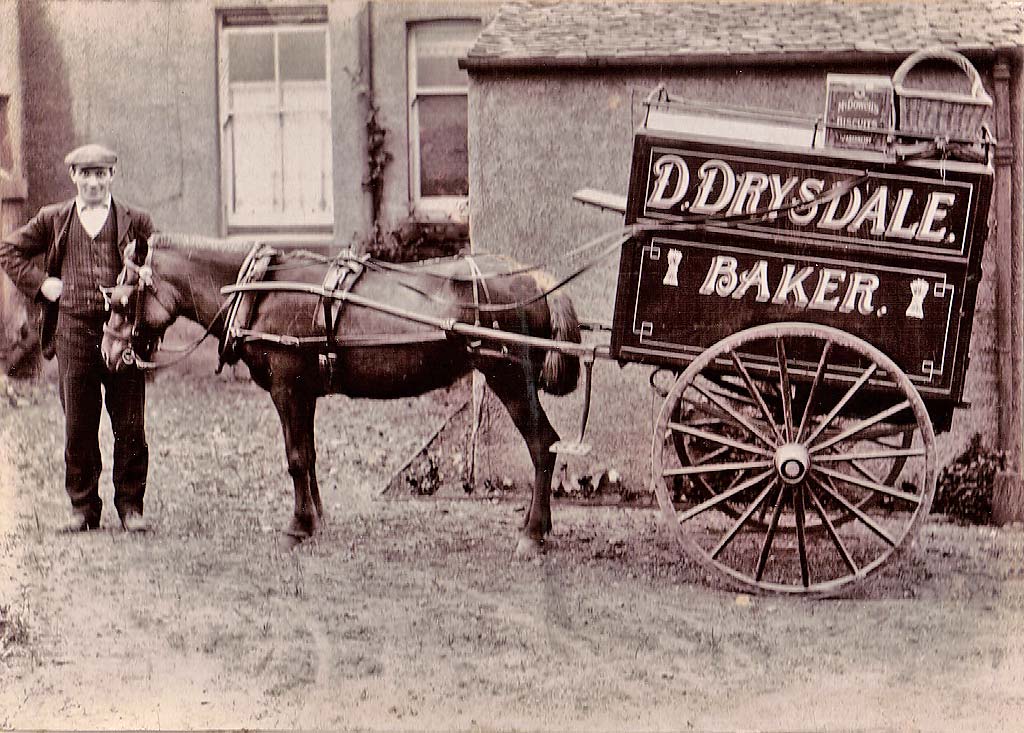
91 156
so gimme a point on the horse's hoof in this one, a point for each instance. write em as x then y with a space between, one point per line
289 541
529 547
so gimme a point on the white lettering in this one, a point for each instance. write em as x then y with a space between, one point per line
896 226
779 193
828 282
748 193
933 214
721 277
862 287
664 167
829 220
756 275
709 173
810 189
874 209
788 284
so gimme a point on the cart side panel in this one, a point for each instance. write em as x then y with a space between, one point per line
895 260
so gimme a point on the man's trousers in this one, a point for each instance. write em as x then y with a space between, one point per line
83 382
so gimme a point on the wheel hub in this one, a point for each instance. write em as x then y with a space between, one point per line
792 461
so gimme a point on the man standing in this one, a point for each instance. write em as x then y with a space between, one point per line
83 241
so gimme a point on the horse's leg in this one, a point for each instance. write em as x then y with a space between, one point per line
517 390
295 408
314 487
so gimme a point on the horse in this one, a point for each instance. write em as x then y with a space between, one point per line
375 353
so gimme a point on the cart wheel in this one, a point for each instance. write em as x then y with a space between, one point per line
785 427
706 415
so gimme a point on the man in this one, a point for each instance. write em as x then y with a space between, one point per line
83 241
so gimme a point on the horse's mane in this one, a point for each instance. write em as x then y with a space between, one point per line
171 240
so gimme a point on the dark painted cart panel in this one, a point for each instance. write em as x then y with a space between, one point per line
731 242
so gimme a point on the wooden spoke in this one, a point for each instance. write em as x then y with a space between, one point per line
769 536
787 403
858 427
854 388
859 468
716 468
738 417
864 518
711 456
801 540
720 439
735 395
831 529
756 394
738 524
812 393
869 456
869 485
724 496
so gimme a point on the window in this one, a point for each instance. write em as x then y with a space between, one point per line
438 88
276 120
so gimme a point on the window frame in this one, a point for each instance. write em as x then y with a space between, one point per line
430 207
249 22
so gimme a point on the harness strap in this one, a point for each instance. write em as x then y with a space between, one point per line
341 276
241 311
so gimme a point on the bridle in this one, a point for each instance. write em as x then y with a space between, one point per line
145 280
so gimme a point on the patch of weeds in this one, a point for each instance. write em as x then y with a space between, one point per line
427 480
964 490
176 641
14 631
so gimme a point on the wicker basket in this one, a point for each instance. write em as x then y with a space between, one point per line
941 113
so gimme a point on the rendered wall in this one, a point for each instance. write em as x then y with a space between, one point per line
535 139
149 90
14 315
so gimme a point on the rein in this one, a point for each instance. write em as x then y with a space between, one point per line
621 236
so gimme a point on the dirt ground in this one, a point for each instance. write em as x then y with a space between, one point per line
412 615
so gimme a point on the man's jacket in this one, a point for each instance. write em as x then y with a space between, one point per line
47 234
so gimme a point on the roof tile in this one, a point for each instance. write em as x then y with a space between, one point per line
535 31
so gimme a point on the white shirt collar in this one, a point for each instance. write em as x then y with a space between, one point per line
82 206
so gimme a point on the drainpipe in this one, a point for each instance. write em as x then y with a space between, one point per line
372 184
1008 493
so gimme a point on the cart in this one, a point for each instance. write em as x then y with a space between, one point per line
811 310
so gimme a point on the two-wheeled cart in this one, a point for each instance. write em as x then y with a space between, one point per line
813 308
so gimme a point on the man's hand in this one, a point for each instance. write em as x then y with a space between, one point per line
51 288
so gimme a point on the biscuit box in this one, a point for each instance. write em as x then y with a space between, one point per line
859 112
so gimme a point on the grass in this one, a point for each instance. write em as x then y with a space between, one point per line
15 631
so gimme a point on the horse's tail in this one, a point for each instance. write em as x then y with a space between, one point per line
561 371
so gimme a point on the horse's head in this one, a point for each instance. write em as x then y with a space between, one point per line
139 315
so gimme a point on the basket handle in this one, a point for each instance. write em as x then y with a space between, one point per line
946 54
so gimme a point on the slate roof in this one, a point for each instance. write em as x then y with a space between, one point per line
541 33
